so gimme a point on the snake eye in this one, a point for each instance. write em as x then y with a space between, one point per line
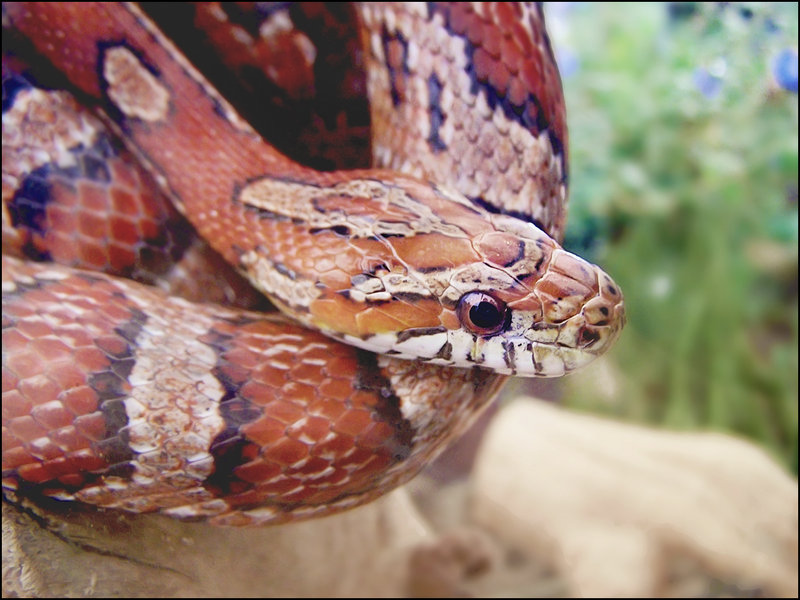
482 314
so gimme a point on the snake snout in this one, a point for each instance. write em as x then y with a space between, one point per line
583 304
571 285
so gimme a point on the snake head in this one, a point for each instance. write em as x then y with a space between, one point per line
438 279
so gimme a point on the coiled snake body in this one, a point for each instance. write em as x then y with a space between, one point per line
117 395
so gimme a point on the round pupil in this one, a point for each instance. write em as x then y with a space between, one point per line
484 315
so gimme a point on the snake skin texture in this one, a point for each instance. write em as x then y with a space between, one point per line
122 395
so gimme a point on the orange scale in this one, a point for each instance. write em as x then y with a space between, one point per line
517 94
63 219
257 471
499 76
334 447
10 381
94 198
375 463
91 359
123 176
115 312
27 329
314 352
80 400
65 375
250 451
286 452
312 466
34 473
300 393
124 231
25 364
511 55
52 415
518 33
68 439
336 313
306 373
12 340
506 14
112 345
334 349
492 37
19 310
531 74
343 367
396 316
362 398
38 389
94 227
74 335
337 389
9 439
92 426
242 357
311 428
326 408
15 457
333 479
62 248
120 258
353 422
92 256
475 30
270 375
359 456
58 467
459 18
264 431
14 404
278 487
375 435
38 297
348 262
152 206
150 229
44 449
258 393
26 428
234 373
334 278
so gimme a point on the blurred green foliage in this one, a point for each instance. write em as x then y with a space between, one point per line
683 178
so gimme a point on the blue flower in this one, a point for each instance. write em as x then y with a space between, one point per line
784 69
709 84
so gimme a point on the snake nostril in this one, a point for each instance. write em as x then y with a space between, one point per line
588 337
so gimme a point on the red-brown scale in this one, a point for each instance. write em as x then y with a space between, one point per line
314 425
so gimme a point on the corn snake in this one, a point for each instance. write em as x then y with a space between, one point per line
383 261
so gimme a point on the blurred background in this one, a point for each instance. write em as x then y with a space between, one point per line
683 186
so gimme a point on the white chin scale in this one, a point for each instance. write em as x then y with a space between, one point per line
544 357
